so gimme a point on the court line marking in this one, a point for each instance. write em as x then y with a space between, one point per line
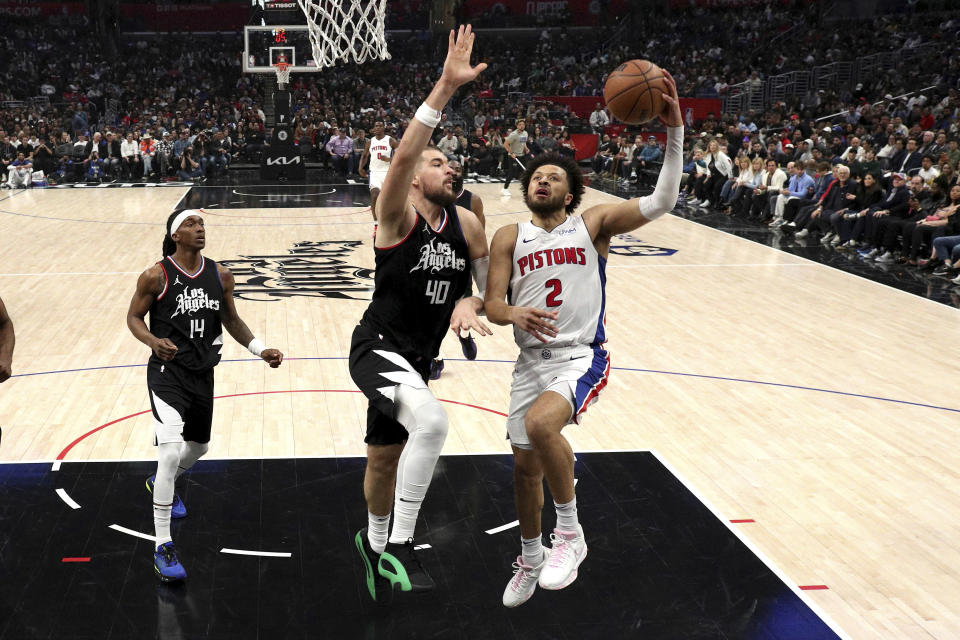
738 532
711 266
283 196
265 554
66 498
131 532
69 273
782 385
516 523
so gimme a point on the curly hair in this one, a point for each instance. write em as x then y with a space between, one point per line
568 164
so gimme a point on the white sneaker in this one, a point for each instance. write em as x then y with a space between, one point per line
705 204
872 254
569 550
693 201
956 280
790 225
886 258
505 192
803 233
835 241
524 581
827 238
777 222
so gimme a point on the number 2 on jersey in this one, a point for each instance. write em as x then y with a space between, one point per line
553 298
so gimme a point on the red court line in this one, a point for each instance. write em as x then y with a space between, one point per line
66 450
76 560
743 521
813 587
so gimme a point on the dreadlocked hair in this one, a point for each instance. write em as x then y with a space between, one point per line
570 167
169 246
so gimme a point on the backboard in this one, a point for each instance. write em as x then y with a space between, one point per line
263 46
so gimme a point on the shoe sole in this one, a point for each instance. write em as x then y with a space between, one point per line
166 579
570 578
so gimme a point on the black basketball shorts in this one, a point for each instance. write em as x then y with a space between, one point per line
182 402
377 367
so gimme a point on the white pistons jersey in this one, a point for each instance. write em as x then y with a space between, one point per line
380 152
560 270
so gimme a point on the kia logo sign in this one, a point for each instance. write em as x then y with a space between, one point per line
283 160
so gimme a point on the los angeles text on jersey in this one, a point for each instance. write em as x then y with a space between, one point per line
436 256
192 300
551 257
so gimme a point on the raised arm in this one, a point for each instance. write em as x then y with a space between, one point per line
237 328
605 221
392 207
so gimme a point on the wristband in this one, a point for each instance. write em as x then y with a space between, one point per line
428 115
256 347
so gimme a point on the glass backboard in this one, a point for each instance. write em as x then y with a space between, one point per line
263 47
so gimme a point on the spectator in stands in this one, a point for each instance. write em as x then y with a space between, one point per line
907 160
547 142
449 145
604 152
220 148
479 159
43 156
19 172
189 168
130 151
649 154
566 144
928 172
747 181
953 152
359 144
720 167
771 181
165 154
927 144
946 252
799 185
340 147
110 154
203 152
926 231
94 167
868 194
148 151
889 225
8 152
599 119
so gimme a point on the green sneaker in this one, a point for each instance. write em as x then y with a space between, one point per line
379 588
400 565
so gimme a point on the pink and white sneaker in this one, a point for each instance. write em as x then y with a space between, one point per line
569 550
524 581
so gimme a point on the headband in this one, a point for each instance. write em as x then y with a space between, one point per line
183 215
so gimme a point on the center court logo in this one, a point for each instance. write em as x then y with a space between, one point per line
311 269
628 245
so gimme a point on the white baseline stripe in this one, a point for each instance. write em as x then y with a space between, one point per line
266 554
131 532
66 498
746 541
56 465
503 527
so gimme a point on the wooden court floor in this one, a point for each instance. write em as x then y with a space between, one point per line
819 406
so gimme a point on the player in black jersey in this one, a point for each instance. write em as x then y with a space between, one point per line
471 201
425 251
189 297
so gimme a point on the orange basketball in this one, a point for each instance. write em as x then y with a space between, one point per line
634 91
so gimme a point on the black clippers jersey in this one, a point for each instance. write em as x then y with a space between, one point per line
417 283
465 199
187 312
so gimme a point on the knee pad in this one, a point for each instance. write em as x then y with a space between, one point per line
168 456
419 411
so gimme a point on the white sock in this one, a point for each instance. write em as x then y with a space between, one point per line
532 550
377 527
168 455
190 452
567 516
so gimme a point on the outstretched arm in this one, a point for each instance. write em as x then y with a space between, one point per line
7 340
605 221
392 208
237 328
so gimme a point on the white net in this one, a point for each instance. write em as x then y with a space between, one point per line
283 73
346 30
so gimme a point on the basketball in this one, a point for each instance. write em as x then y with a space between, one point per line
634 91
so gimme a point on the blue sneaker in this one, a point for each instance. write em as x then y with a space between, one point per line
178 510
469 347
167 565
436 368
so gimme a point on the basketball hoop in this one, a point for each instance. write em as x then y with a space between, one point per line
283 73
346 30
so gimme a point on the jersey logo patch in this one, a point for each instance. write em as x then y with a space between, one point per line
437 255
176 280
192 300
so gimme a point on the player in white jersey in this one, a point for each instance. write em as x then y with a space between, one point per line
554 267
379 149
